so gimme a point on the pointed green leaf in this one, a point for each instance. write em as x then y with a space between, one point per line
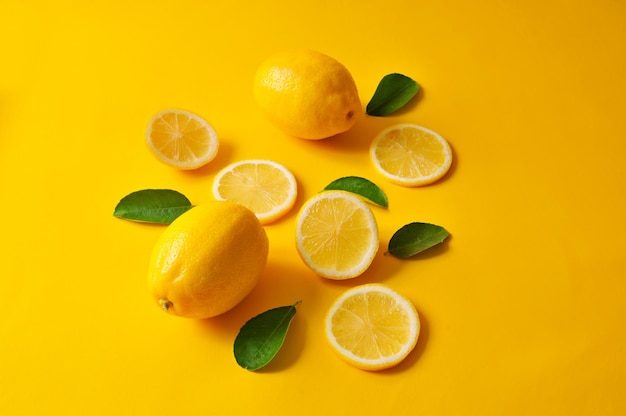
416 237
393 92
260 339
360 186
161 206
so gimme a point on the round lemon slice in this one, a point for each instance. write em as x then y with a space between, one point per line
181 139
411 155
337 235
372 327
265 187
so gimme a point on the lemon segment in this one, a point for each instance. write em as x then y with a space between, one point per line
181 139
208 260
307 94
265 187
411 155
337 235
372 327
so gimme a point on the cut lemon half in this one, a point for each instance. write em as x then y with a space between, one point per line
265 187
372 327
181 139
411 155
336 235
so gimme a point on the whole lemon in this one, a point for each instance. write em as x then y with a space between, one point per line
307 94
208 260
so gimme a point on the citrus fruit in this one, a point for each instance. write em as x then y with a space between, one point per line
181 139
307 94
372 327
411 155
208 260
265 187
336 235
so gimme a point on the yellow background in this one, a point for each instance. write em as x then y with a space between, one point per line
523 309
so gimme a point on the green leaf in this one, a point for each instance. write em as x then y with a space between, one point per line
393 92
416 237
161 206
360 186
260 339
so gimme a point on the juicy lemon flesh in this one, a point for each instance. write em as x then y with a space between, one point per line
266 188
412 155
307 94
182 140
372 326
373 329
339 237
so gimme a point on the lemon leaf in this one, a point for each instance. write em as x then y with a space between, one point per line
393 92
161 206
360 186
260 339
416 237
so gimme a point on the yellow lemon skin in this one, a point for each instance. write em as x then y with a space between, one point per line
307 94
208 260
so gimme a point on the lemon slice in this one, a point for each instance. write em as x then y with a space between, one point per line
265 187
336 235
372 327
181 139
411 155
